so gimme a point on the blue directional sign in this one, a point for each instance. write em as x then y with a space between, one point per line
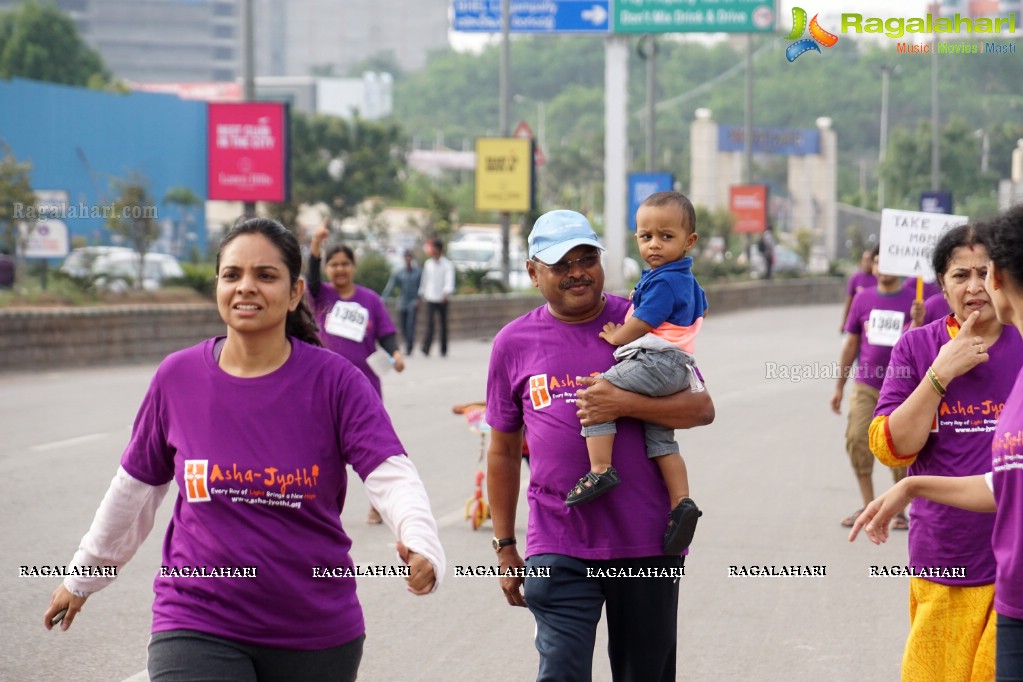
532 16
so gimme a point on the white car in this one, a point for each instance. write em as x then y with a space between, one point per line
115 268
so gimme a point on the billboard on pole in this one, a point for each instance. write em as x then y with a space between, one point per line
504 174
748 204
247 145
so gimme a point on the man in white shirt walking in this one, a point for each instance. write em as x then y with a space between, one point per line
437 284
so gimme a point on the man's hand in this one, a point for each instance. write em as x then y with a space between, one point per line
511 585
599 402
836 400
916 314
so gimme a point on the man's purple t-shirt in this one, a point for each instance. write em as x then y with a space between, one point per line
858 281
531 382
959 445
260 470
365 314
936 308
930 288
1007 540
876 346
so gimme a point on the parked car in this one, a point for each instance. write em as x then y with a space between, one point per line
115 268
483 253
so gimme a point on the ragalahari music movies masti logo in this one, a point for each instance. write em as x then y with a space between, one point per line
818 36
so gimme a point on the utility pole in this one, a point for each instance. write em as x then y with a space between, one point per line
886 72
505 89
648 51
248 77
935 136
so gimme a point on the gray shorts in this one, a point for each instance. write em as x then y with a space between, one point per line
655 373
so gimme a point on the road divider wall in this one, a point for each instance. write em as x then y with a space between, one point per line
33 339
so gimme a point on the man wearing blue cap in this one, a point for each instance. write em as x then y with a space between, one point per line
610 554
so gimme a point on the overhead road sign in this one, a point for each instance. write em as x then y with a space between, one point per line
532 16
693 16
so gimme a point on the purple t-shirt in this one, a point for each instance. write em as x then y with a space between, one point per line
260 470
959 445
930 288
858 281
1007 540
531 382
936 308
354 326
878 319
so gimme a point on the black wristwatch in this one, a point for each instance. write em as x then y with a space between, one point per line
500 543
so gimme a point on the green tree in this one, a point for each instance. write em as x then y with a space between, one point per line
16 196
907 167
186 201
42 43
341 163
133 217
454 99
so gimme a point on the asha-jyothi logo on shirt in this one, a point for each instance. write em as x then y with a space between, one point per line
539 391
818 36
195 480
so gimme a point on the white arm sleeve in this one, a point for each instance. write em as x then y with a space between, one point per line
989 478
122 522
397 492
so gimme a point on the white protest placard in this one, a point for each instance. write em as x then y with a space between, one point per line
908 238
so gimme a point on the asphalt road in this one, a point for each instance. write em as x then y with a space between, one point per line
771 475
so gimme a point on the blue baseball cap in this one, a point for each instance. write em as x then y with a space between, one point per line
555 233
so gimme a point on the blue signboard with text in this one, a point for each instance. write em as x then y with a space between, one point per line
791 141
936 202
531 16
642 185
616 16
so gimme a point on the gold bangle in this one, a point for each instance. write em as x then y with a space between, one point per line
935 383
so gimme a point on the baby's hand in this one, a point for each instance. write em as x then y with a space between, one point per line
609 329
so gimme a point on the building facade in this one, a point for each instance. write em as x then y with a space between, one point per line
165 41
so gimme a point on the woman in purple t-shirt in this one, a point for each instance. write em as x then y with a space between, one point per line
257 429
1000 490
352 318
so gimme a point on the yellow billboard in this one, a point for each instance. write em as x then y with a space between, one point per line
504 174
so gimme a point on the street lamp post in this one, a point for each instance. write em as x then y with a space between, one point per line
887 70
648 51
505 89
935 137
541 118
248 75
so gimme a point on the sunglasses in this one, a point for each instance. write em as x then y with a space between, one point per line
563 267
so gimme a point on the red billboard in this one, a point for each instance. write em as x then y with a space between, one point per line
748 204
247 151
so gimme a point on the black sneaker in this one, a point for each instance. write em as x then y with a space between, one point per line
681 526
